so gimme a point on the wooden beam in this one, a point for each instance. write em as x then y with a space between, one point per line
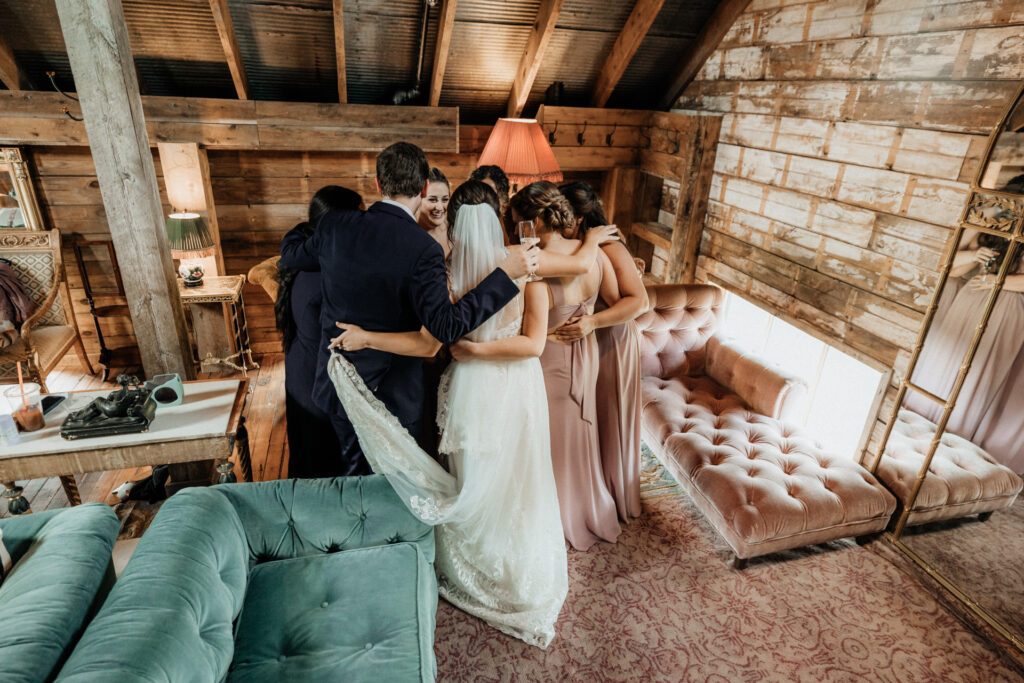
704 44
35 118
445 26
8 67
536 45
101 61
632 34
226 29
339 50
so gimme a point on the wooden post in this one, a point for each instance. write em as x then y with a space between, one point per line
101 61
698 156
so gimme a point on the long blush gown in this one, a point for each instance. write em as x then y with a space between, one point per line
587 507
989 409
618 413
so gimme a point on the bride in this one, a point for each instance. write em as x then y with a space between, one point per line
500 549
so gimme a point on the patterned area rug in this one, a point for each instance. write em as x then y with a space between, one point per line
663 604
984 559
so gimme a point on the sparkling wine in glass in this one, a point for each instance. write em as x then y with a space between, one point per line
528 238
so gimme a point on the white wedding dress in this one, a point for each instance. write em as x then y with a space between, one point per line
500 548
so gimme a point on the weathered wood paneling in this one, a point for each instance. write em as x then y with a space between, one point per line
851 132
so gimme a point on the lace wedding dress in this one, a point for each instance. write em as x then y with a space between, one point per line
500 548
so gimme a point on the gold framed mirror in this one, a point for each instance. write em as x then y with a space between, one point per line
953 448
19 206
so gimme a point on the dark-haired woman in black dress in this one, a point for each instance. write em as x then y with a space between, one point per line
313 449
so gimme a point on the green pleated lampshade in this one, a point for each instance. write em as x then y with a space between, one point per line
189 236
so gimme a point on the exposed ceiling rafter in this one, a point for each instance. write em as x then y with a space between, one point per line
626 45
226 30
703 45
533 55
445 27
339 50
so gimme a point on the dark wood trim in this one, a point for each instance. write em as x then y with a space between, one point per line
633 33
704 44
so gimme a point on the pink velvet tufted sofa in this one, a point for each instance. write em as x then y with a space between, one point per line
962 479
716 417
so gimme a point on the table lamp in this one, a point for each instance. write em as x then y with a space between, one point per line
190 239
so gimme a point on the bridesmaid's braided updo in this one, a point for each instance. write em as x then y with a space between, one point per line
542 199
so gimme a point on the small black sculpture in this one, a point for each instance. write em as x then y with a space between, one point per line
128 410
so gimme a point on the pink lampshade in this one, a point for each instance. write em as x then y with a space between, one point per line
520 148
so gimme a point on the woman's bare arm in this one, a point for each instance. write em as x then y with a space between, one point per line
528 344
627 297
553 264
421 344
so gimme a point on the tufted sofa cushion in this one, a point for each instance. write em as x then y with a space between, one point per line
962 479
676 328
172 614
767 390
764 486
61 570
325 617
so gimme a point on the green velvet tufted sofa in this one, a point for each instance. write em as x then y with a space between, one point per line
60 572
294 580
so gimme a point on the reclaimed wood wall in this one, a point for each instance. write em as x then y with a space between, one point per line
852 130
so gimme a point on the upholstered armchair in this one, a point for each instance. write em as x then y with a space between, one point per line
52 330
721 422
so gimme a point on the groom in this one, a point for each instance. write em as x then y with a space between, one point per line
380 270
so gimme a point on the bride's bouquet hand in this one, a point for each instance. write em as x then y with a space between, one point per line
603 234
353 338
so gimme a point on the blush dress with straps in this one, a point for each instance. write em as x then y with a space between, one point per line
587 507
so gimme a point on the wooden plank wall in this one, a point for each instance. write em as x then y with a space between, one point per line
851 132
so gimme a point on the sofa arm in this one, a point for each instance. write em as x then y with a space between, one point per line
264 275
769 391
61 564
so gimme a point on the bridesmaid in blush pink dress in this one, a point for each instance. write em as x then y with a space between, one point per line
618 342
587 506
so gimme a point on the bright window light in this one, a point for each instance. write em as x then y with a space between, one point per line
841 388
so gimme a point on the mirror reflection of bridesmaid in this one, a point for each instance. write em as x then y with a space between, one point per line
991 402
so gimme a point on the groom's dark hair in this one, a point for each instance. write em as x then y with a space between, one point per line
402 170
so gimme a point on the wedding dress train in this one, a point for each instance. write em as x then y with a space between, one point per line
500 549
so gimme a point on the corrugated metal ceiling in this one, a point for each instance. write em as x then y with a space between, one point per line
288 49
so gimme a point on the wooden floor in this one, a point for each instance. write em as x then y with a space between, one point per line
265 420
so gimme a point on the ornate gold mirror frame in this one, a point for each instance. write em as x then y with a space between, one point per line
976 216
12 160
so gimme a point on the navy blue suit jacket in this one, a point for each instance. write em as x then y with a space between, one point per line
380 270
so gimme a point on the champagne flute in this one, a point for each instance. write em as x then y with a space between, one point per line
528 238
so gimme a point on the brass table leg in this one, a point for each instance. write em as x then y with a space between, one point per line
71 489
17 504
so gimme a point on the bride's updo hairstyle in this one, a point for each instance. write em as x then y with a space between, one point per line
469 193
543 200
